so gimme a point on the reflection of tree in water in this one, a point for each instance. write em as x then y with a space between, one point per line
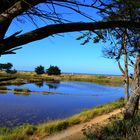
52 86
39 84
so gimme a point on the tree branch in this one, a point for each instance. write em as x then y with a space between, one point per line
121 69
48 30
17 9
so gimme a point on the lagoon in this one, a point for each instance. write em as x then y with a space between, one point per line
71 97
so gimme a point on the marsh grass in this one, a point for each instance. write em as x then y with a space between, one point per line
27 131
22 90
105 80
3 88
25 77
13 82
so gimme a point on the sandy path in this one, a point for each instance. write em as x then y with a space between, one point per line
70 132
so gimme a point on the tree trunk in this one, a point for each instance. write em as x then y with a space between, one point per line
125 70
126 86
132 105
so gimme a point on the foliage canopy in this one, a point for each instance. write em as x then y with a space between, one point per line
53 70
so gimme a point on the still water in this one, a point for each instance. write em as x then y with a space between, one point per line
70 98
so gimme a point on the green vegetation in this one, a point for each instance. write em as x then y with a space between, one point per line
30 131
13 82
117 129
31 77
11 71
22 90
3 88
46 93
6 66
105 80
53 70
40 70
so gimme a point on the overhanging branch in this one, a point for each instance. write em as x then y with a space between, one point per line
48 30
18 8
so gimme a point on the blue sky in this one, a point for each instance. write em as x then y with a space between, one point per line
65 52
61 50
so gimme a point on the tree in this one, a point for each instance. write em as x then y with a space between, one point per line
6 66
117 53
53 70
40 70
11 9
132 105
11 71
127 11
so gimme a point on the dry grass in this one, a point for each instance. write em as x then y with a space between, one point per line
106 80
116 129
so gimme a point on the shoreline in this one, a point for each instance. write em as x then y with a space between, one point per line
27 131
31 77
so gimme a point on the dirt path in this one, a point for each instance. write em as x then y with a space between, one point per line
72 131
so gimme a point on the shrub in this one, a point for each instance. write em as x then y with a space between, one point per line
40 69
53 70
11 71
6 66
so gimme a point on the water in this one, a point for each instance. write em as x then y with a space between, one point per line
70 98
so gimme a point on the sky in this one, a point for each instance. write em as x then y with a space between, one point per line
62 50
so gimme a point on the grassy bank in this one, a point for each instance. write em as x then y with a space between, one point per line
28 77
23 91
26 132
115 129
105 80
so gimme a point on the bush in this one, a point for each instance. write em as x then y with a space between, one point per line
53 70
11 71
40 69
6 66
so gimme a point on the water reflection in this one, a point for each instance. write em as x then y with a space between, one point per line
52 86
39 84
37 108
